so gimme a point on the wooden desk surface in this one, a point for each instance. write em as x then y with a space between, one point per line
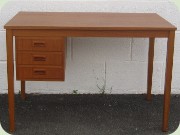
88 21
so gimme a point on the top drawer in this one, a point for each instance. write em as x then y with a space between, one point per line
40 43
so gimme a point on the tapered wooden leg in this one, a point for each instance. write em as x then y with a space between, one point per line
150 68
10 72
168 78
23 94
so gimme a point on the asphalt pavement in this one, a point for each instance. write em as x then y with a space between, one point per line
89 114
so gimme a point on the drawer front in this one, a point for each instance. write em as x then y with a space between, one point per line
40 58
40 44
40 73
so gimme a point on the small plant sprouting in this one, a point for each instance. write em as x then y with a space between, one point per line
75 92
103 89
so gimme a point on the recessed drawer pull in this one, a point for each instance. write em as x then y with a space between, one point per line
38 43
39 58
39 72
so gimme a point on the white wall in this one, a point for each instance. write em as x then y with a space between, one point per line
123 60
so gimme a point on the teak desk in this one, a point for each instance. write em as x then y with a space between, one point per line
40 40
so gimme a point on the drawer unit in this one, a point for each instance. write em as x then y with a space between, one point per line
40 58
39 73
40 44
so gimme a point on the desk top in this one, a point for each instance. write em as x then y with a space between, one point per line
88 21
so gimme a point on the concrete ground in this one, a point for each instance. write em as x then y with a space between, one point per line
89 114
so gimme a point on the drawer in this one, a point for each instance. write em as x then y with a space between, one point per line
39 73
40 58
40 43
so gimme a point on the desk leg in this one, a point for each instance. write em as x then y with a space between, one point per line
10 72
150 68
23 94
168 78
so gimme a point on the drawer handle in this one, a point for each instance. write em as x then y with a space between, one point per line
39 72
38 43
39 58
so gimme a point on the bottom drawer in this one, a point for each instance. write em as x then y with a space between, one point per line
39 73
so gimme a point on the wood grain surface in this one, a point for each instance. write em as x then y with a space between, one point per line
88 21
